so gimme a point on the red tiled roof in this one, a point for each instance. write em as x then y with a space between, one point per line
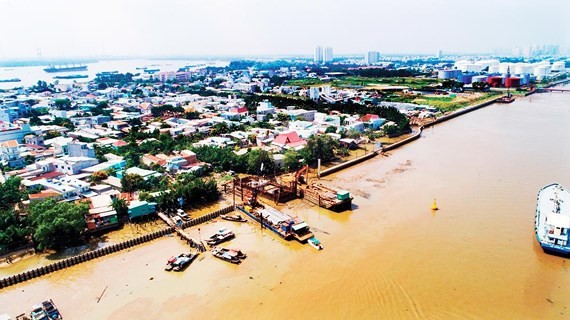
369 117
10 143
288 138
43 194
120 143
48 175
238 110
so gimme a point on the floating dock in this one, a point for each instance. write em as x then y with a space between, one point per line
325 197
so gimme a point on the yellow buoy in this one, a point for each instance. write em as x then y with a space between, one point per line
434 205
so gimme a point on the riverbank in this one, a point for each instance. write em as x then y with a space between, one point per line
409 139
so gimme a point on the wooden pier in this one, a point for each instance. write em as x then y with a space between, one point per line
183 235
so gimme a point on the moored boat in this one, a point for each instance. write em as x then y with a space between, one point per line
229 255
235 218
72 76
11 80
280 223
552 219
180 262
223 235
315 243
505 99
51 311
38 313
65 68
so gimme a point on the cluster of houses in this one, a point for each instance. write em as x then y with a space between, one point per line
58 161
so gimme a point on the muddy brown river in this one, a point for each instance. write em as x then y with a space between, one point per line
391 257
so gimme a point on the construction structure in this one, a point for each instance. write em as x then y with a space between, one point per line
317 193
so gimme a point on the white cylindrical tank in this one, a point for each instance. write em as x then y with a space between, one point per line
479 79
522 68
541 71
504 67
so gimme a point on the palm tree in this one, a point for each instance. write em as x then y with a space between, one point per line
121 207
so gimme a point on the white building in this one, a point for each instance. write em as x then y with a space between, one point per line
328 56
318 58
73 165
263 109
10 153
371 57
10 131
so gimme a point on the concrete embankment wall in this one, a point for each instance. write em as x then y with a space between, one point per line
347 164
409 139
38 272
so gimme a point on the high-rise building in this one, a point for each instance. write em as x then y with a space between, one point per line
328 55
439 54
318 54
371 57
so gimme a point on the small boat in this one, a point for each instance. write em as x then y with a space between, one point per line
223 235
229 255
552 219
169 263
235 218
315 243
11 80
51 310
38 313
72 76
505 99
180 262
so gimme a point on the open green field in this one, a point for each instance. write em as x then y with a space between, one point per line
414 83
448 103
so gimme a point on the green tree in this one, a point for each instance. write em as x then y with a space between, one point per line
257 157
480 86
330 129
99 176
132 182
63 103
52 134
121 207
10 192
291 160
14 229
283 117
353 134
57 225
319 147
220 128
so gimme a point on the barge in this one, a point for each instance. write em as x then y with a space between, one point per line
328 198
280 223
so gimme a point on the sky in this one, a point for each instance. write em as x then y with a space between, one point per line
95 28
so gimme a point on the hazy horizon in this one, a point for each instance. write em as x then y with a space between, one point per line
63 29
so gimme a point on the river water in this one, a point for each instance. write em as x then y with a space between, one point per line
391 257
29 75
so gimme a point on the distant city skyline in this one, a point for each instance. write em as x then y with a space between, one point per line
64 29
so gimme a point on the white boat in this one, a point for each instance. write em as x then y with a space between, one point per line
552 220
223 235
315 243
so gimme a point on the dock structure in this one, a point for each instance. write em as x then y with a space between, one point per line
183 235
267 187
324 197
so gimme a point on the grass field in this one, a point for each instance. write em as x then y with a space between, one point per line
369 83
448 103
